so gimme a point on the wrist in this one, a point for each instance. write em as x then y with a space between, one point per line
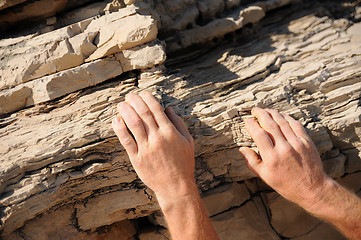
183 193
321 196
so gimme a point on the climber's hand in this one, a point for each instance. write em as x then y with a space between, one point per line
288 160
162 150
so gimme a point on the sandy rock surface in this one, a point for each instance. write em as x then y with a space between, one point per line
63 173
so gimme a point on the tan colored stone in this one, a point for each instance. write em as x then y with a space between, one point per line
107 49
38 9
288 219
65 152
142 57
114 37
335 167
129 2
9 3
123 230
114 207
220 27
13 99
59 84
114 6
57 50
225 197
82 44
351 181
324 231
64 56
353 163
247 222
53 225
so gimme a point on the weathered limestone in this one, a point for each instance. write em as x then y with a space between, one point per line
63 59
9 3
225 197
86 75
14 99
114 207
216 28
141 57
64 174
61 83
19 11
247 222
288 219
113 37
37 9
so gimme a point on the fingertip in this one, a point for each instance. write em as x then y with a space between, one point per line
241 149
169 110
249 122
129 94
251 157
121 105
117 121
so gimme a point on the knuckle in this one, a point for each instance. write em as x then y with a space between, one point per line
145 112
299 146
283 124
157 107
286 149
271 125
136 123
158 141
168 127
259 133
126 140
297 124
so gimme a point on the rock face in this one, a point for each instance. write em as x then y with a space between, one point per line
65 176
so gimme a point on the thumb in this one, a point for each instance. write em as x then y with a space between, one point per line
252 159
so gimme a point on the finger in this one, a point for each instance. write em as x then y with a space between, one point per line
124 136
155 107
268 124
259 136
252 159
178 123
133 122
283 124
142 110
297 127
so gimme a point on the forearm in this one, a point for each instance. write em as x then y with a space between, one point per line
186 216
339 207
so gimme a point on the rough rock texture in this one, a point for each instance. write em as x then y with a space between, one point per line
65 176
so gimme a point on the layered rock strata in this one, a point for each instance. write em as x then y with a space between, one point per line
65 176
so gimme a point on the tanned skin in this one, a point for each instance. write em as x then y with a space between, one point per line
289 163
162 154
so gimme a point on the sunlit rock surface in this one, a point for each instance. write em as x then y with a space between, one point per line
65 176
